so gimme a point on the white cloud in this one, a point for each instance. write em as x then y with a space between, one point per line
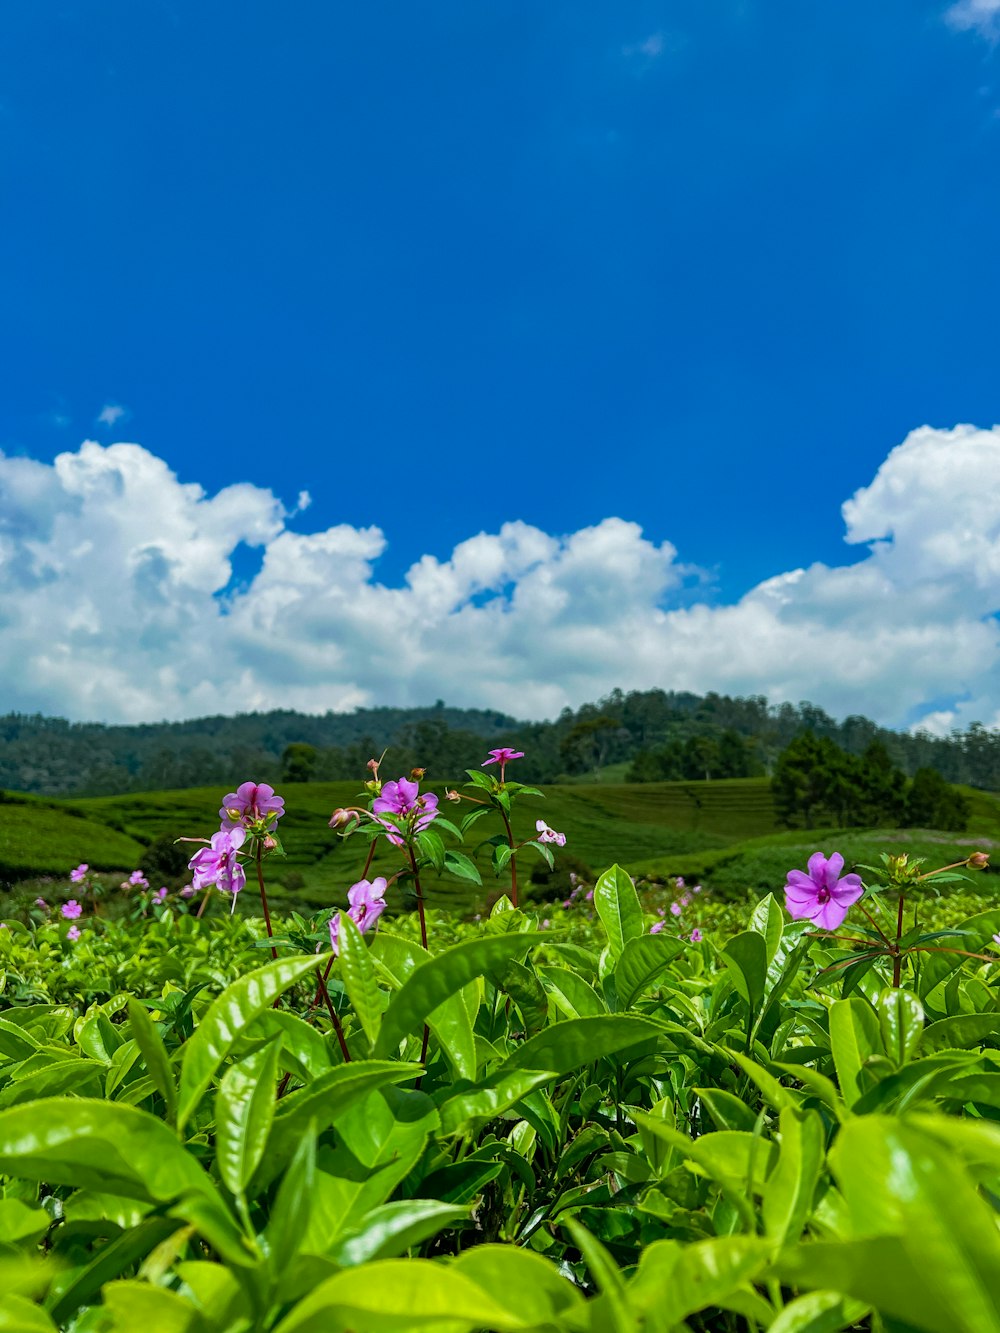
117 602
111 413
650 47
982 16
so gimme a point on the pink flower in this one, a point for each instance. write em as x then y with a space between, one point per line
546 834
138 879
996 940
503 757
73 933
679 881
77 875
71 910
822 895
685 901
40 902
656 927
696 936
217 864
696 889
367 902
675 909
250 802
187 891
403 800
589 895
160 894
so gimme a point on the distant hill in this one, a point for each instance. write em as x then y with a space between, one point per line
639 737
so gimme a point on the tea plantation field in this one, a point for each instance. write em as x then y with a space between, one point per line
722 832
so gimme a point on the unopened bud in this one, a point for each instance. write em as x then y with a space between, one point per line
450 795
341 818
979 860
372 765
417 773
269 843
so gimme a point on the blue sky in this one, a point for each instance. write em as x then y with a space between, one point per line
698 267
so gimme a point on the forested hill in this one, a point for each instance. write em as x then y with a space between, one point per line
640 736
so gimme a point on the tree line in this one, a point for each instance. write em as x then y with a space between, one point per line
642 735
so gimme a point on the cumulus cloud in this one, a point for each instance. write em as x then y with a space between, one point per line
981 16
117 602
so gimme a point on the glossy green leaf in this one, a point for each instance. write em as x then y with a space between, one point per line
244 1109
791 1186
901 1023
391 1229
432 982
324 1101
527 1284
19 1315
139 1305
676 1281
962 1032
227 1018
571 991
617 905
854 1037
396 1295
819 1312
98 1145
111 1260
643 961
357 971
20 1222
146 1036
292 1204
746 958
768 920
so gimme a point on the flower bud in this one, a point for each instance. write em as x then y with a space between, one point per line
450 795
269 843
417 774
372 765
979 860
341 818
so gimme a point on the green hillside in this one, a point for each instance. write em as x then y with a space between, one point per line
722 832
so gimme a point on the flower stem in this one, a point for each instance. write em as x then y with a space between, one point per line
513 855
263 901
423 940
897 960
334 1016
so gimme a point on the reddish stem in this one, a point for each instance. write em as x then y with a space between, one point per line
897 961
334 1016
513 855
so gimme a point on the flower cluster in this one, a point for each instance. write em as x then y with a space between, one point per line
367 903
409 810
249 812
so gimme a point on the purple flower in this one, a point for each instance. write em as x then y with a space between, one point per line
675 909
251 801
160 894
546 923
696 889
187 891
685 901
696 936
546 834
996 940
73 933
403 799
656 927
40 902
822 895
217 863
138 879
335 934
77 875
679 881
367 902
71 910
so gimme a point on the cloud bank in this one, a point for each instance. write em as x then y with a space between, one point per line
118 602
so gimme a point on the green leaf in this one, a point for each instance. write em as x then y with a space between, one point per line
357 972
768 920
227 1018
460 866
19 1222
19 1315
527 1284
962 1032
854 1036
432 982
901 1023
605 1274
819 1312
395 1295
676 1281
325 1100
98 1145
146 1036
788 1197
391 1229
727 1110
926 1247
110 1261
643 960
572 993
576 1042
244 1109
746 958
290 1215
134 1305
617 905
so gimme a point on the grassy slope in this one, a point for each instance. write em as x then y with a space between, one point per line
721 831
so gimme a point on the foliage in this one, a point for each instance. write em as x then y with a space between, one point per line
587 1123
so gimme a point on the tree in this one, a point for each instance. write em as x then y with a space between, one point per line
932 803
298 763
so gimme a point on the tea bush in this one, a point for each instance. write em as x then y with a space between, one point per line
641 1111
